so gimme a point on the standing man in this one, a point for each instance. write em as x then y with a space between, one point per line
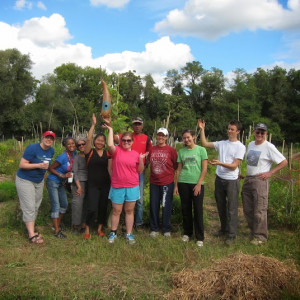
141 144
227 185
260 156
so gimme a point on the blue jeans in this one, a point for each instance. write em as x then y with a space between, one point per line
138 217
58 198
161 194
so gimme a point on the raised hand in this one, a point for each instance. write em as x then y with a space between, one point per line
201 123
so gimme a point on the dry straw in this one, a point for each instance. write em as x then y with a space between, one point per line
239 276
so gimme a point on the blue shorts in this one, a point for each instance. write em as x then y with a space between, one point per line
120 195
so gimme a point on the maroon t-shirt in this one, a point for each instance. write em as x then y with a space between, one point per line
163 163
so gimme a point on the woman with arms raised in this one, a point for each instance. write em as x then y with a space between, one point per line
124 191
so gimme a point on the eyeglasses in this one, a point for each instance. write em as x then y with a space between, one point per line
137 124
260 132
83 144
126 141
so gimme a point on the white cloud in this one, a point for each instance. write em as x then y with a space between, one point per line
211 19
20 4
46 41
41 5
110 3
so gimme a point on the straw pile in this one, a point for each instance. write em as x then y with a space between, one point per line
239 276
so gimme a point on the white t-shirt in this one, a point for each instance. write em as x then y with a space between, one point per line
228 153
261 157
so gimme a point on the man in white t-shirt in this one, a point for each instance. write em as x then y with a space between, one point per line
260 156
227 184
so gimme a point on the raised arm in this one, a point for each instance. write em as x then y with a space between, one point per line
110 139
89 140
204 142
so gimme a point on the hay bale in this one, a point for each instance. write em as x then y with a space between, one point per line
239 276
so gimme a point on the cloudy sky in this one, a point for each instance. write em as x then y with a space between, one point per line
153 36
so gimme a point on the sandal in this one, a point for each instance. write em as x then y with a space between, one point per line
36 239
86 236
100 233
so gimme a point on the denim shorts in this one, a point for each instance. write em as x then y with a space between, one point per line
120 195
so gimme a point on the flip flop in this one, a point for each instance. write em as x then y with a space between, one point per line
36 239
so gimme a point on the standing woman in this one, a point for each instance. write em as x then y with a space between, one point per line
98 165
30 181
126 166
163 163
192 168
78 187
60 170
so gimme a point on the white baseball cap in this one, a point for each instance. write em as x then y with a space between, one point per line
163 130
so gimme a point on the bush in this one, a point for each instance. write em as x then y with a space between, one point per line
7 191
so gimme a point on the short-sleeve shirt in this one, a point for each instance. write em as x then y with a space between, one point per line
261 157
65 166
191 160
124 168
35 154
228 153
98 175
163 163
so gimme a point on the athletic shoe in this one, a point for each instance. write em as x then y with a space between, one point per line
111 237
60 235
154 234
199 243
185 238
167 234
130 238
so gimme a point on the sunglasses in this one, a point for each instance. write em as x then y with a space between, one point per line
260 132
83 144
126 141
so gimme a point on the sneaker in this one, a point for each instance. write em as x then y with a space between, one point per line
111 237
185 238
154 234
199 243
256 242
60 235
130 238
167 234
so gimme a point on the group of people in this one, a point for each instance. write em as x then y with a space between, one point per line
117 174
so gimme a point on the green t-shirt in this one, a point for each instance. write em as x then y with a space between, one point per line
191 160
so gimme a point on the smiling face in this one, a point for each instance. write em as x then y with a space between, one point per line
260 136
126 141
70 145
188 139
47 141
161 139
232 132
81 145
99 142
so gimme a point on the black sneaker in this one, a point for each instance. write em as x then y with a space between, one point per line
60 235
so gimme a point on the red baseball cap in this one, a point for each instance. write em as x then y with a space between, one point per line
49 132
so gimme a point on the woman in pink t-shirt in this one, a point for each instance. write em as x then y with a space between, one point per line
126 165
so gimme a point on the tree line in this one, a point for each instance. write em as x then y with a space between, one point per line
66 99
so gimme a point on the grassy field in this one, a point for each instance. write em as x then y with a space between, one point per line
93 269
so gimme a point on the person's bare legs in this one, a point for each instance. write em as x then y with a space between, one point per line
129 215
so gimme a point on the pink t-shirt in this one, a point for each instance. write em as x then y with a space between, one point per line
124 168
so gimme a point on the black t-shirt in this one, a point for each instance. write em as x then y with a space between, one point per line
97 168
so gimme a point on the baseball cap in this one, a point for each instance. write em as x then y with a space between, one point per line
137 120
163 130
261 126
49 132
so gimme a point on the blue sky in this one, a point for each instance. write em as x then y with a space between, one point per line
153 36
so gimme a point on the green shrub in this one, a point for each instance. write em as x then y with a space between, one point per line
7 191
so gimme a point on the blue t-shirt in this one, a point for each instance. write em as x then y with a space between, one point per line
35 154
65 166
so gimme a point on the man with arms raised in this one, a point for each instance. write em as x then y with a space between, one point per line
260 156
227 185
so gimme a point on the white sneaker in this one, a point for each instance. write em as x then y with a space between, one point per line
185 238
167 234
154 234
199 243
